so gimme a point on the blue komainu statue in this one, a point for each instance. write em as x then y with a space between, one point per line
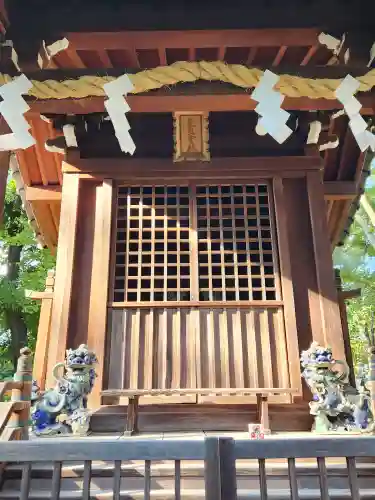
336 405
63 409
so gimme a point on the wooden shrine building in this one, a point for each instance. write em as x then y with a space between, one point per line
202 265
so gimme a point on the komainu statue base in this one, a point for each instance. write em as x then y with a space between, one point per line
336 405
63 411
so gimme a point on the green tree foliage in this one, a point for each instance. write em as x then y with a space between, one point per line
23 267
356 261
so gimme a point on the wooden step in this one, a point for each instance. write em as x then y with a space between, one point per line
202 417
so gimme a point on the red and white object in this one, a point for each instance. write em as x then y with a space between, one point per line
256 431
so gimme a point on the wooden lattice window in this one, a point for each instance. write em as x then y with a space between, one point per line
152 244
235 249
225 233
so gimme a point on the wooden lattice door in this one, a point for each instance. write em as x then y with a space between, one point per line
196 297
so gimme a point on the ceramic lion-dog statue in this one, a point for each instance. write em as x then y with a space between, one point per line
63 409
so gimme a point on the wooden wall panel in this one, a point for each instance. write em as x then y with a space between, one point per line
184 348
152 349
244 347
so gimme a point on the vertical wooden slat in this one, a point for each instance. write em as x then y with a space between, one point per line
209 332
135 355
162 348
263 479
117 480
237 353
266 348
193 347
224 347
56 481
323 479
287 284
149 349
86 480
117 349
127 365
292 473
252 341
176 350
25 481
147 489
64 273
177 479
330 315
353 478
96 336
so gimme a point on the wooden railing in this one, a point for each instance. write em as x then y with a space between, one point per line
15 414
219 456
43 337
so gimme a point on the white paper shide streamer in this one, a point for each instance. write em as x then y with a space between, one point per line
345 94
117 108
12 109
272 118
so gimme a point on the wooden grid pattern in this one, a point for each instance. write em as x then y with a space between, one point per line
152 244
235 251
165 235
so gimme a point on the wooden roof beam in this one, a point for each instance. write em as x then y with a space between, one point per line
171 100
335 190
43 193
340 190
194 38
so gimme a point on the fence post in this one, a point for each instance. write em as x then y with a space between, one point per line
42 340
220 469
20 420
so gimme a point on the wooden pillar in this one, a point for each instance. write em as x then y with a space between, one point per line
287 284
43 337
328 330
96 337
64 272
